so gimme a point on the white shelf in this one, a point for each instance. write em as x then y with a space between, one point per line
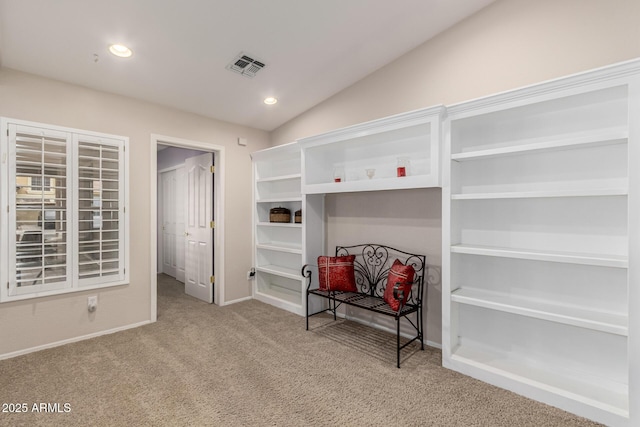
280 248
605 395
278 270
604 137
279 224
602 260
280 200
561 313
586 192
394 183
289 177
284 292
281 298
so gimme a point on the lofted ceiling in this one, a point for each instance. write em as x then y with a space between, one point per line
312 48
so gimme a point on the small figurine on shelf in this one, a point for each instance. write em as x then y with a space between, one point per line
370 172
403 166
338 174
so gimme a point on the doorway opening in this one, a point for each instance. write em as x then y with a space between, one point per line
187 217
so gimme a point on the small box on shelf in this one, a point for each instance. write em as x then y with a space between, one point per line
279 214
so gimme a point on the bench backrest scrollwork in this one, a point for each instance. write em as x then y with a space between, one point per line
372 265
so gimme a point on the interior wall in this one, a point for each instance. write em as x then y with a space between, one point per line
509 44
409 220
41 321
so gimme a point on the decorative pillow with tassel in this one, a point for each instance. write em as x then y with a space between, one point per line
337 273
403 276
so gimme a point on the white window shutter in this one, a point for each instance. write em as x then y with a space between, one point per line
65 192
39 254
100 210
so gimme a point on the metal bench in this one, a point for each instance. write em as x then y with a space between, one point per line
372 265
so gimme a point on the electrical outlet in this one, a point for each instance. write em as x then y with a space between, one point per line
92 303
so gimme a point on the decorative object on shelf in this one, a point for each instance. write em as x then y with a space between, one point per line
298 216
403 166
279 214
338 174
370 172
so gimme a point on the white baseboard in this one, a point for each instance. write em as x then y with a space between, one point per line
71 340
433 344
235 301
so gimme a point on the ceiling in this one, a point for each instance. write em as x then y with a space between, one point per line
312 48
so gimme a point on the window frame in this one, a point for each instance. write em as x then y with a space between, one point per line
9 291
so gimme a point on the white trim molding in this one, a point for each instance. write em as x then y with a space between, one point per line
71 340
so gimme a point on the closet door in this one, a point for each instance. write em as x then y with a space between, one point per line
180 210
199 277
169 229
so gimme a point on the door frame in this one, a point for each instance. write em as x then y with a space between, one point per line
218 213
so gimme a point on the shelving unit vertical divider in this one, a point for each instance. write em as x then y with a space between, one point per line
449 318
634 251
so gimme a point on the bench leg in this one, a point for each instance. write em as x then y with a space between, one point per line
398 340
421 332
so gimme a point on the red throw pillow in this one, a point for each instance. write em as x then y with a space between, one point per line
337 273
402 274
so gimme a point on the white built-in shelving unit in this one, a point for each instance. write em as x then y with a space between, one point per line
541 242
378 144
541 230
298 175
279 248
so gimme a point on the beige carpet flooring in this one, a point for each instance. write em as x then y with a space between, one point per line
250 364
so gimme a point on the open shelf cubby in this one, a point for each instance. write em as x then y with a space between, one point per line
365 157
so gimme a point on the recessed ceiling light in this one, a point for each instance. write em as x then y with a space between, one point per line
270 100
120 50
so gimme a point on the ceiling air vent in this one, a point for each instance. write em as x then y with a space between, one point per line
245 65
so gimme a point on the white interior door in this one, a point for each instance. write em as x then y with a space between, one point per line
199 234
168 203
181 214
